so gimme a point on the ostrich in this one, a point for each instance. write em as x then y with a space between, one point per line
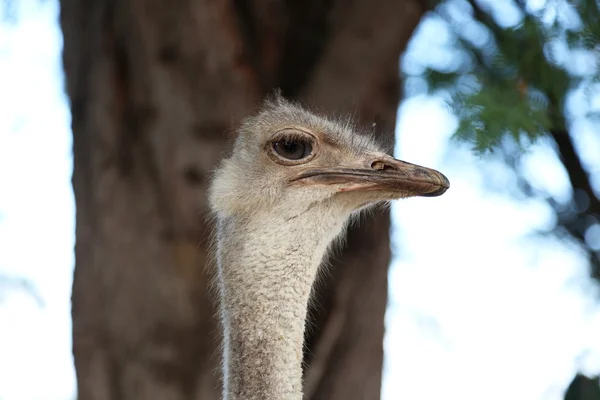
286 192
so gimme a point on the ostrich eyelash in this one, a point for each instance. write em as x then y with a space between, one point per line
292 137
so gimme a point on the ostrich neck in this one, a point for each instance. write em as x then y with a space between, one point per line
266 272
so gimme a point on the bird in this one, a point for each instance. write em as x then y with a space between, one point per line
281 199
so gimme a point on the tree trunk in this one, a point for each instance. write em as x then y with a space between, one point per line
156 90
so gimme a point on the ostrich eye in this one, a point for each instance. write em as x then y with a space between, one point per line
292 149
291 146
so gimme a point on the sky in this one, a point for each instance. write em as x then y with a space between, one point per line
492 312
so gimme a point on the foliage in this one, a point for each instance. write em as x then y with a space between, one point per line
488 114
517 85
511 86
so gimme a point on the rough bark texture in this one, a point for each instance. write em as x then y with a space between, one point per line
156 90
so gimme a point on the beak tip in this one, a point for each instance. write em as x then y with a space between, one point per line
443 186
440 191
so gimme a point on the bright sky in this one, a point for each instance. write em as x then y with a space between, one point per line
489 312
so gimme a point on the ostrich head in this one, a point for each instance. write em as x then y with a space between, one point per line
287 160
284 194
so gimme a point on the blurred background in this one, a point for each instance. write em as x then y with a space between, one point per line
492 289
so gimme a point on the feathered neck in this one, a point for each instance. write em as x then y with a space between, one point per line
266 269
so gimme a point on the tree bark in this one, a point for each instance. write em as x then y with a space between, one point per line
156 90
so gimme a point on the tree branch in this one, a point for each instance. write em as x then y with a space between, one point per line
577 174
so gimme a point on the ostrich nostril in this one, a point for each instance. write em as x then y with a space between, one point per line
381 166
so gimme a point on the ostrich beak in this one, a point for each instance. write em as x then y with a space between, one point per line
384 174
